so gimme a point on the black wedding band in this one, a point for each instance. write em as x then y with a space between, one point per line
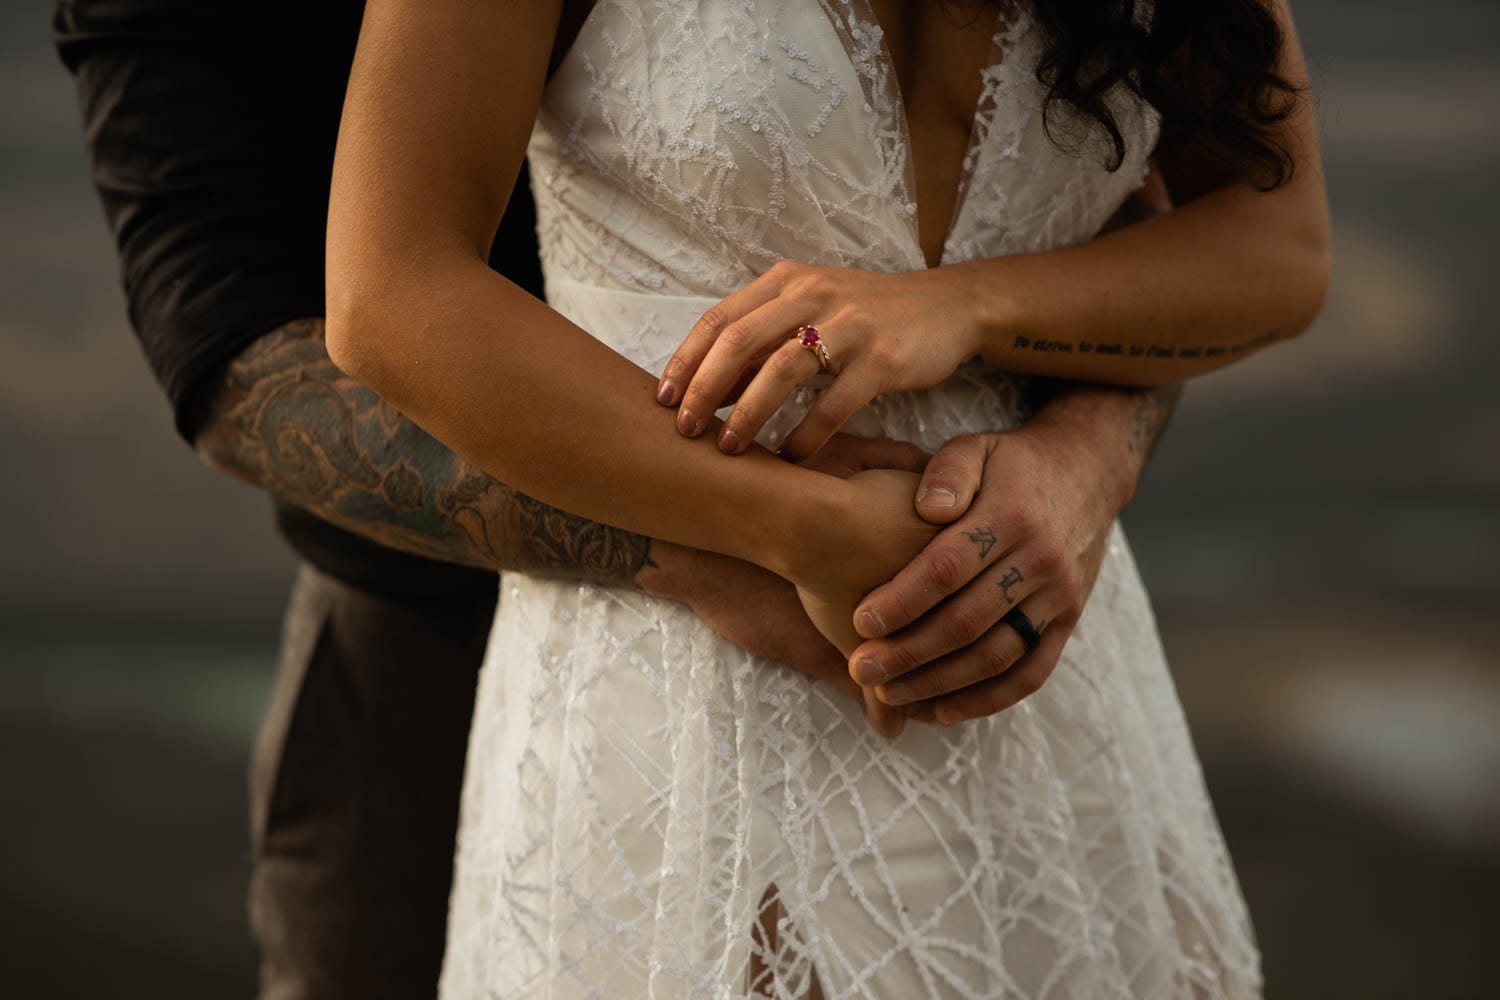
1017 620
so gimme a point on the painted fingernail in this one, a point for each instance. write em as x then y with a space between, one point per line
898 693
868 671
938 496
667 394
870 624
729 441
687 423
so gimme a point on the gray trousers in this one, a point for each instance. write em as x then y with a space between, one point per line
354 790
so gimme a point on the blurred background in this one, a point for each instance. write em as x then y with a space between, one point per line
1320 529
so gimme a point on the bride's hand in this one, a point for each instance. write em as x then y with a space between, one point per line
758 610
845 561
883 333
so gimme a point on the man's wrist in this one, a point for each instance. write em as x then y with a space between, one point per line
990 307
1102 420
998 309
670 571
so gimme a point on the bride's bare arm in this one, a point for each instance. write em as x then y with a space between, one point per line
440 105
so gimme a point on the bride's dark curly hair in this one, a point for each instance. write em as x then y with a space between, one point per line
1208 66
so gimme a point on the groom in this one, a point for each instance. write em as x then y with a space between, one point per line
211 130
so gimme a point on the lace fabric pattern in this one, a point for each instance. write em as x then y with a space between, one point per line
650 811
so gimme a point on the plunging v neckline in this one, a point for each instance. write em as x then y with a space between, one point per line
1004 23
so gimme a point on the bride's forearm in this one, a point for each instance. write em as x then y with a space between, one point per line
441 102
537 403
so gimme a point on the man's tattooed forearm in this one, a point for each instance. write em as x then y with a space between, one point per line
1153 409
286 418
1169 352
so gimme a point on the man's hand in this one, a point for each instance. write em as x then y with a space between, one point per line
1029 514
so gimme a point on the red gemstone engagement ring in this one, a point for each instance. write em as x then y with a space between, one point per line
810 338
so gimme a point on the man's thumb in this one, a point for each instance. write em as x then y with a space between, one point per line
950 480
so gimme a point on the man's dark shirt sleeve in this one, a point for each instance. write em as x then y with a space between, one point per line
211 133
211 129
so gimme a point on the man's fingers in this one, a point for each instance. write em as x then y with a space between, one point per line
951 479
1019 682
988 657
949 562
964 621
991 656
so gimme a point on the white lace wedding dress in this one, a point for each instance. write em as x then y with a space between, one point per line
637 787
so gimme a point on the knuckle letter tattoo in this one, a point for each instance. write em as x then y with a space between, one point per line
1010 579
982 537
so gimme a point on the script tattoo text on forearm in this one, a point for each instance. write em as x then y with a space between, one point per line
1167 352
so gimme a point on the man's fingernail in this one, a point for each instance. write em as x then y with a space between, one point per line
869 671
870 624
898 693
946 716
938 496
687 423
729 441
667 394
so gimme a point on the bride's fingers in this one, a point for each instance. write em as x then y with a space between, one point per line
845 454
994 653
683 363
737 345
885 720
783 371
965 620
746 377
850 391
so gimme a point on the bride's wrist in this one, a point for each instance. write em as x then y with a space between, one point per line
808 528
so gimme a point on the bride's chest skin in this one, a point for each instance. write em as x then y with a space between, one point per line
939 51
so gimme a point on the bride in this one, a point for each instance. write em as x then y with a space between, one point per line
870 215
